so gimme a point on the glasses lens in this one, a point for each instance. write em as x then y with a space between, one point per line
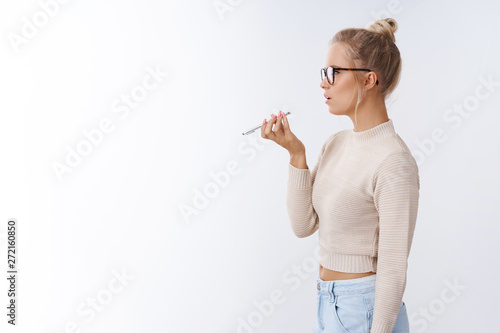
322 74
329 75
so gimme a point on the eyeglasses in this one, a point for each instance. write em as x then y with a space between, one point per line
329 73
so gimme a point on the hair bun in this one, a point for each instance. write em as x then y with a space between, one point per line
385 27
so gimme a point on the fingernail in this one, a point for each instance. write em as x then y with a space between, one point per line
264 122
274 117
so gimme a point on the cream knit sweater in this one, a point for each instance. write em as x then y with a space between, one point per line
362 195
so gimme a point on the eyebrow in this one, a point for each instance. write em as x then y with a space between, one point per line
335 66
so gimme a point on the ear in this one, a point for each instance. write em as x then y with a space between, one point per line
372 76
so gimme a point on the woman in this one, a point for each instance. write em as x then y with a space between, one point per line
362 194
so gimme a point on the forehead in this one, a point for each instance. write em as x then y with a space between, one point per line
335 56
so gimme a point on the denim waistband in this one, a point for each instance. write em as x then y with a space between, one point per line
347 287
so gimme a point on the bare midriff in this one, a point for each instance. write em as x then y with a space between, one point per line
326 274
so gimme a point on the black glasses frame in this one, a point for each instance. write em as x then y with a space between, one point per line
324 72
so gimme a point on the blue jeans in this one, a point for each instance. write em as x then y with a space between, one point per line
346 306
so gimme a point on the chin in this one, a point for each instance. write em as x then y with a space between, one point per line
335 111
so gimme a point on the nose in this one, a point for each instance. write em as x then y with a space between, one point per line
324 84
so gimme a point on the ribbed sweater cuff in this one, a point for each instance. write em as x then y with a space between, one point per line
299 178
378 327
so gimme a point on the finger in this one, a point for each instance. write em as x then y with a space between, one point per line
278 128
269 128
263 128
286 125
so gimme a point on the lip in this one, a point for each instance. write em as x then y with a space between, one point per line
326 96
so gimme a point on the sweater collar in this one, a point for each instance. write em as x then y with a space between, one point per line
374 133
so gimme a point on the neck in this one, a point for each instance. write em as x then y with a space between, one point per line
371 112
373 134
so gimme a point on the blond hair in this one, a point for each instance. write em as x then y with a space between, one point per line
373 48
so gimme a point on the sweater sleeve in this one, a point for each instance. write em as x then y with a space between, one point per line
396 196
301 213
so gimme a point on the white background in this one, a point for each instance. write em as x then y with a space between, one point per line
207 270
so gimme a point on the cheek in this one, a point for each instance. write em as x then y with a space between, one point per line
342 92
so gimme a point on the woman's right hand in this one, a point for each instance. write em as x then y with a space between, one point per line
281 134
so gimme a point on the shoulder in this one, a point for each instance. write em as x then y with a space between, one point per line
399 151
397 169
392 148
396 161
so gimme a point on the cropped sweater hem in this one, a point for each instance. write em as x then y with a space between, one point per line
341 262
